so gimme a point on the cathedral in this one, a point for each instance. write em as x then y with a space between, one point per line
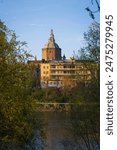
57 71
51 50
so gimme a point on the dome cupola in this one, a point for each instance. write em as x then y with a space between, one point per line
51 50
51 41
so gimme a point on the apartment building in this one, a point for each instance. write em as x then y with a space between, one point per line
64 73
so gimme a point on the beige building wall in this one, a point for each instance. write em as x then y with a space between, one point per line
59 74
44 74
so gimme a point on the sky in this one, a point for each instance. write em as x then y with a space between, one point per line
32 21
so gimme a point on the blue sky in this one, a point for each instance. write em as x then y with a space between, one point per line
32 21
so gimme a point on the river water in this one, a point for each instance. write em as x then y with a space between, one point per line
57 130
63 130
58 133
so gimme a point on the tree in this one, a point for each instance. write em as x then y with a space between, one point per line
16 107
92 41
92 12
90 55
85 127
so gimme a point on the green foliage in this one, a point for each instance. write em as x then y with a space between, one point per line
92 49
85 126
90 54
16 106
47 95
38 94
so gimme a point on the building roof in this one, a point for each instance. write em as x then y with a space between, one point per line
51 41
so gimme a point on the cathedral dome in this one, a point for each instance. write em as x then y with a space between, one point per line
51 41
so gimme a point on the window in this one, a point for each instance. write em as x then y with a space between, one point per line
52 66
50 83
53 77
43 77
52 71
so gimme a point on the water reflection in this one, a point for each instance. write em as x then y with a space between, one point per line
56 130
76 130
